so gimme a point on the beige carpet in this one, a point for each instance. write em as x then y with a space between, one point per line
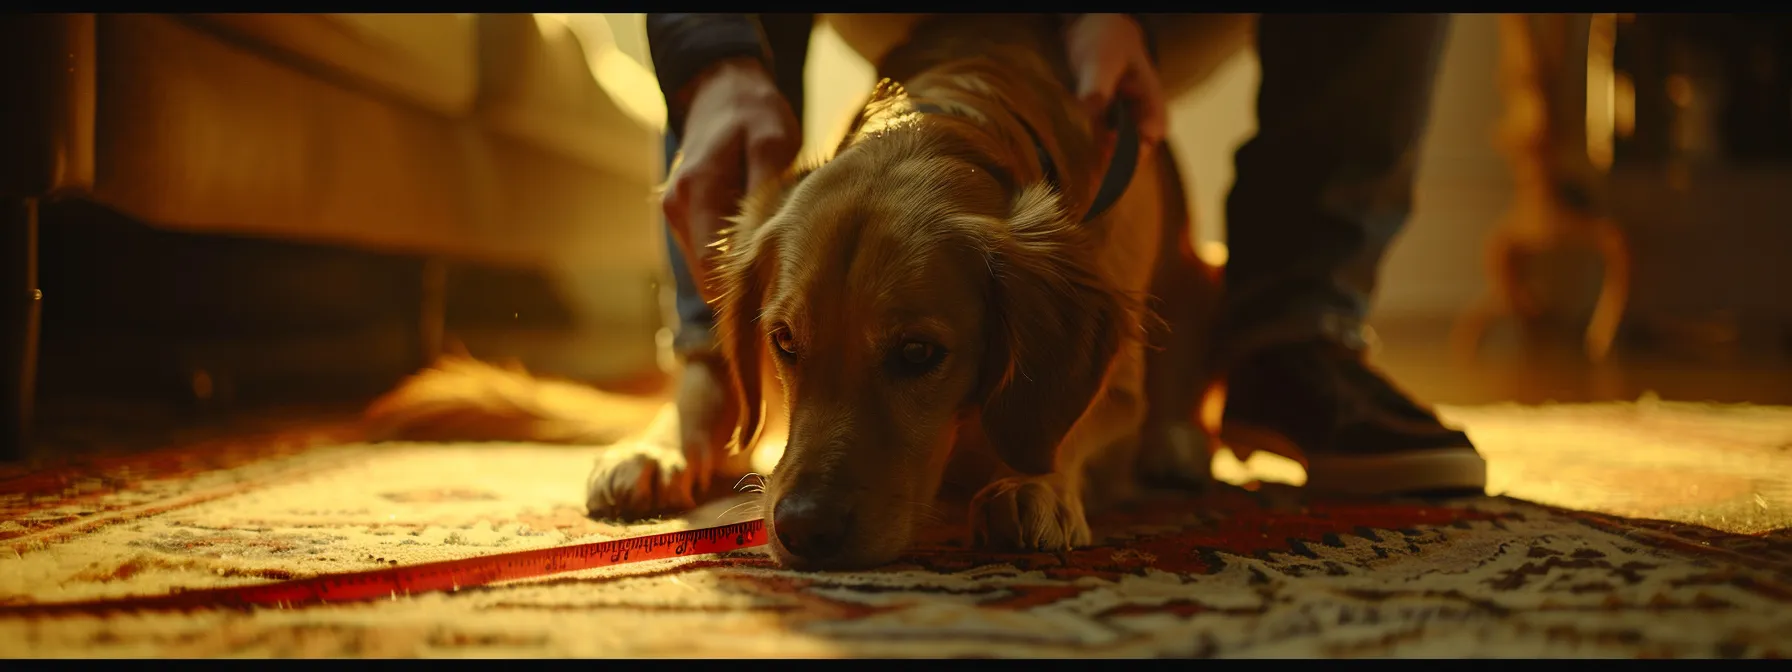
1627 530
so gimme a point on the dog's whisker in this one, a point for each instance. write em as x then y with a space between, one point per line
726 516
929 513
743 486
743 480
754 502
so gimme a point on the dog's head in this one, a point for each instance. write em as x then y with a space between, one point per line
922 279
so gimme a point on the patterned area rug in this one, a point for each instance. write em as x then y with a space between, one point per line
1651 529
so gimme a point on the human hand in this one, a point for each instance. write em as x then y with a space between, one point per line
739 132
1109 57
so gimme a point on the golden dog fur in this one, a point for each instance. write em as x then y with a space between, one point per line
938 320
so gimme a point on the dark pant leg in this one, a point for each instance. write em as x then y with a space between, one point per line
1326 183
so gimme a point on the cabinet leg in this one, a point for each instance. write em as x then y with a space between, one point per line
24 301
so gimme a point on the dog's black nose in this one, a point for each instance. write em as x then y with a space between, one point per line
808 530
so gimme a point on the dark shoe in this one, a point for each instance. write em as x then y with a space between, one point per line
1353 430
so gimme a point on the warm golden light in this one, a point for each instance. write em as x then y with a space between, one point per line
633 88
1213 252
1213 407
629 85
1624 114
1602 85
1257 466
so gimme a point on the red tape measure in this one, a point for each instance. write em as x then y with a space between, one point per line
446 575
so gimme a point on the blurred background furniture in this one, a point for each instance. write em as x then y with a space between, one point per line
238 204
1701 177
1559 201
1675 133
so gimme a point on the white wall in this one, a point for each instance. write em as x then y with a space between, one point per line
1463 185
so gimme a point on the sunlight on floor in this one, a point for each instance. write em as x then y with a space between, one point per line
1260 466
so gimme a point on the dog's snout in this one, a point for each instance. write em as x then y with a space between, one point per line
809 530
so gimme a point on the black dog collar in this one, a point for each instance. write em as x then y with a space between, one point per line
1120 168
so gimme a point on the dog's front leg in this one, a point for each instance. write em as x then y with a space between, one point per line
681 460
642 477
1047 513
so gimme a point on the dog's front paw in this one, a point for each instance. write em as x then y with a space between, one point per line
1028 514
639 479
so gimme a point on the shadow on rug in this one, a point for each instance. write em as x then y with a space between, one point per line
1240 572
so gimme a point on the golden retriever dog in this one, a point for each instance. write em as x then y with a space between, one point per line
933 315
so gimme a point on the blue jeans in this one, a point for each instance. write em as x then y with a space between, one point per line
1321 190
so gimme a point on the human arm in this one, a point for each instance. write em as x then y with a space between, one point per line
736 128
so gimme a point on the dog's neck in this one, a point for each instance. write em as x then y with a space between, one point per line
1047 167
1012 98
1120 168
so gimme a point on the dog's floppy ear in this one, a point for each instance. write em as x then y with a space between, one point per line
743 270
1057 328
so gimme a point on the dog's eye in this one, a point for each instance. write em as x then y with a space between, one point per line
916 352
918 357
785 342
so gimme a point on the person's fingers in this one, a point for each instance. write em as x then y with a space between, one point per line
675 204
710 191
681 192
709 207
1097 80
1150 109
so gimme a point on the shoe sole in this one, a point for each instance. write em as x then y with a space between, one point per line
1453 470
